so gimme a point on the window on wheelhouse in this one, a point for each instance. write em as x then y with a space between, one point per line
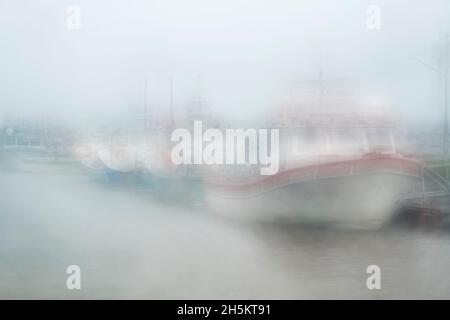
345 140
309 141
380 140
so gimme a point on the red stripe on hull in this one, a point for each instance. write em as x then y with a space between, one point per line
364 165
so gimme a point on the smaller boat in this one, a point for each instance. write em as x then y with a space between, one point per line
87 153
28 147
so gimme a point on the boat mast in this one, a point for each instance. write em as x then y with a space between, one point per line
172 121
145 106
446 98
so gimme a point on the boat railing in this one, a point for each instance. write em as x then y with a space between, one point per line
16 143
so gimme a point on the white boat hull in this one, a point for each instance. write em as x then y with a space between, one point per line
358 200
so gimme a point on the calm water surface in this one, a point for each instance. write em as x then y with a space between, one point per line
130 246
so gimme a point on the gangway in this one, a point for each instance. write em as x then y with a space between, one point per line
429 202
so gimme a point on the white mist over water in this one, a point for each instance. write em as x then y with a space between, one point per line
243 59
129 246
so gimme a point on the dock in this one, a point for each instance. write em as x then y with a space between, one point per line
429 203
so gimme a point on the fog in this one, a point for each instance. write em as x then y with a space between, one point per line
147 229
241 57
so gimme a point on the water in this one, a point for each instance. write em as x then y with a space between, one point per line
130 245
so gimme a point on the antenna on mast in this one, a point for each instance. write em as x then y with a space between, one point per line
445 73
145 105
446 80
322 87
172 121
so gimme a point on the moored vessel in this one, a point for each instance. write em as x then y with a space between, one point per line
339 166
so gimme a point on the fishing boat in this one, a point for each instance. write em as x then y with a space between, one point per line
170 181
86 151
28 147
353 193
339 168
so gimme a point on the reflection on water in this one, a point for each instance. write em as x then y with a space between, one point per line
129 245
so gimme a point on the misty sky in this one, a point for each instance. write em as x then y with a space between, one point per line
242 56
